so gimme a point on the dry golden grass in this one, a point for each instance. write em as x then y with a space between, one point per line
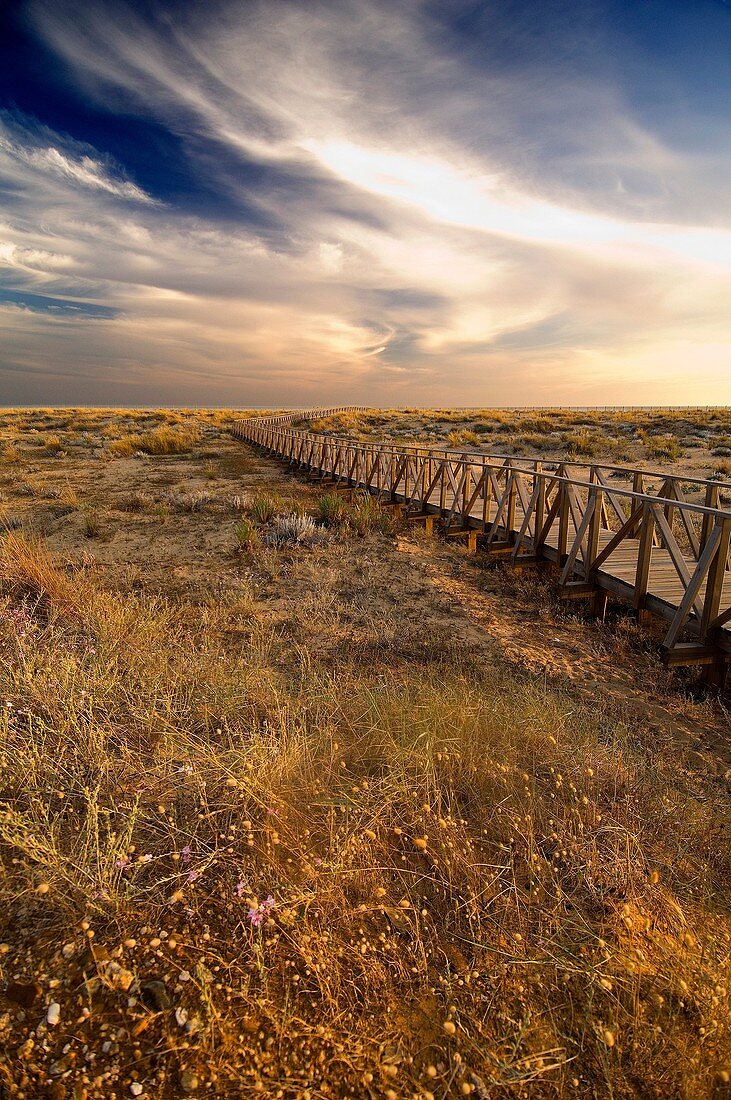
686 440
281 825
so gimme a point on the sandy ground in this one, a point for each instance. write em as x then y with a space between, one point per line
420 596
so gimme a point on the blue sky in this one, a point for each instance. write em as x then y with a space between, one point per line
433 202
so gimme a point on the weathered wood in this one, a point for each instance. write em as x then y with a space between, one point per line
605 540
693 588
716 578
576 547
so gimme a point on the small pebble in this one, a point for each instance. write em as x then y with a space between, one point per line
54 1014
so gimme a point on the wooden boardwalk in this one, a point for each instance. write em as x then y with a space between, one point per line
611 531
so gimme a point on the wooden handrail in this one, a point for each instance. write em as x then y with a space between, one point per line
555 514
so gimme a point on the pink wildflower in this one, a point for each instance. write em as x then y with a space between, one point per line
257 914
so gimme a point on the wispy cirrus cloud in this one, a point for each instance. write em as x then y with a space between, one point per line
31 150
378 203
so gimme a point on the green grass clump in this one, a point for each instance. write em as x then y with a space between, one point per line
263 508
664 448
245 533
365 514
331 509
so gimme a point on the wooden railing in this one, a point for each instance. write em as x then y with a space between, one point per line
610 529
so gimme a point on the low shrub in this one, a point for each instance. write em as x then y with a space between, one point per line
122 448
463 437
664 448
167 441
581 443
91 524
263 508
293 528
196 501
246 534
722 468
365 514
138 501
331 509
10 454
52 445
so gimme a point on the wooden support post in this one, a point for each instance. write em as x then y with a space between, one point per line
422 518
577 590
599 604
715 672
524 561
467 534
499 549
685 654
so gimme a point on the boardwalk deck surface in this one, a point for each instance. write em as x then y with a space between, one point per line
666 554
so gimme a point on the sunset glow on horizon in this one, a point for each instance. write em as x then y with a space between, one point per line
412 203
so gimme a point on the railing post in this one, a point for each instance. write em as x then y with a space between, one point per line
564 511
711 501
466 491
539 489
592 543
716 578
657 503
644 555
486 498
510 513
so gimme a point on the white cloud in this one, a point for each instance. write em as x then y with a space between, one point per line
20 144
408 245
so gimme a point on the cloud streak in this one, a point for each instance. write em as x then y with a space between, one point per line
389 210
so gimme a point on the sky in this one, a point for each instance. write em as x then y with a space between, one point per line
382 202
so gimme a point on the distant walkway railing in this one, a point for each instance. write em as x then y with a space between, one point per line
630 533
